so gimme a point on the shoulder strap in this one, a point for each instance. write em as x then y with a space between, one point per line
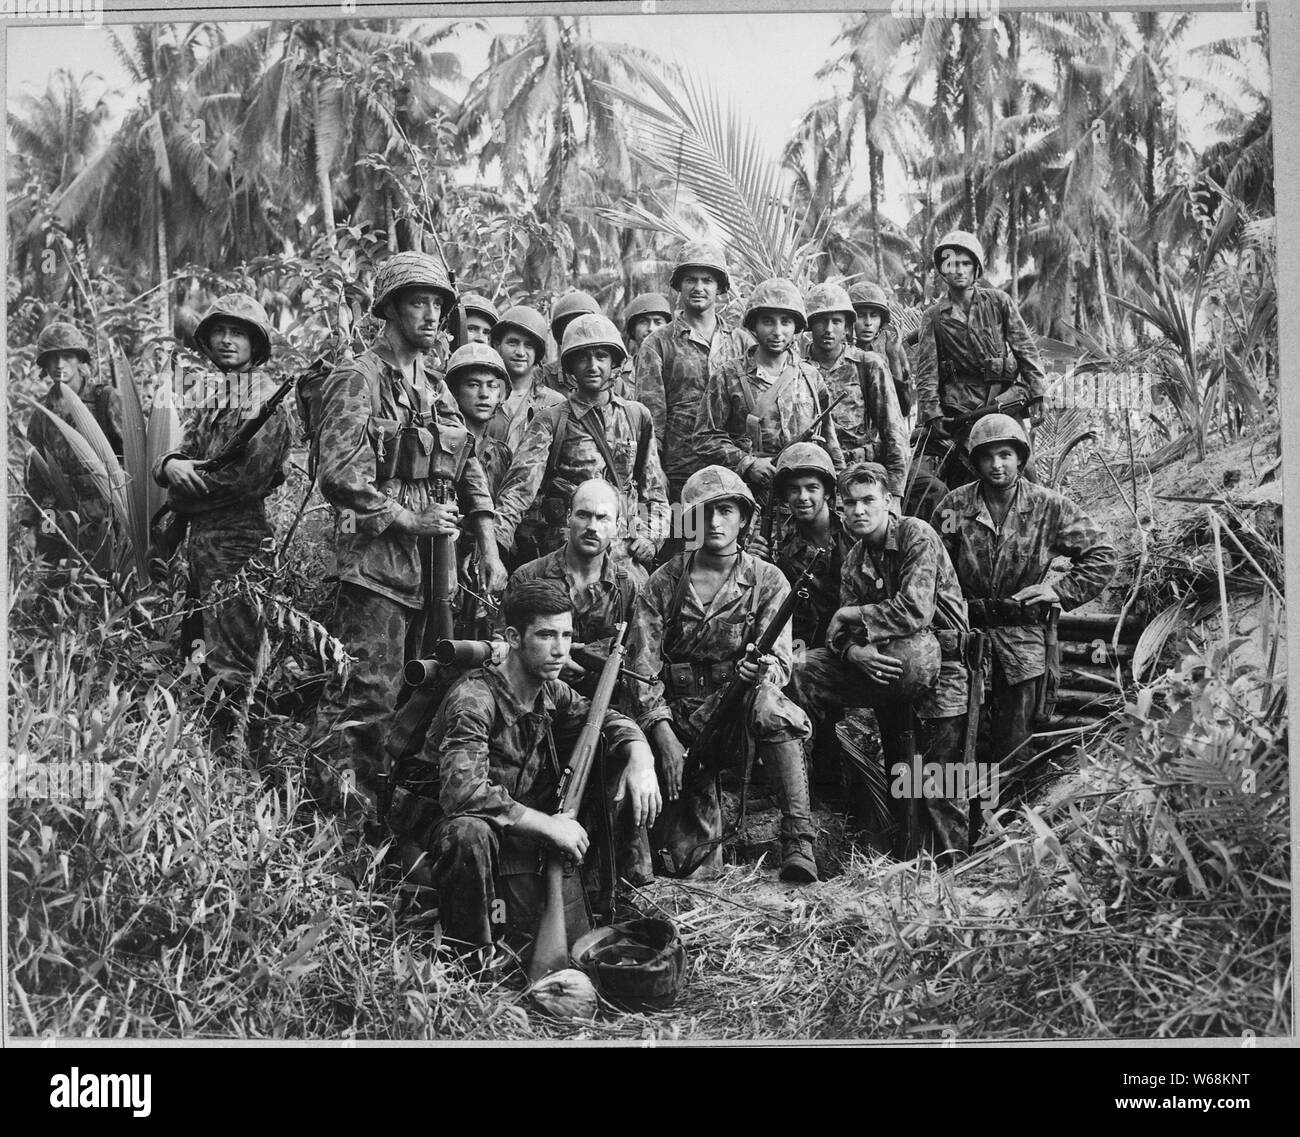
626 593
644 427
557 440
602 444
775 391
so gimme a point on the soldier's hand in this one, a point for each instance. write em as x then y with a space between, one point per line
639 783
761 472
492 573
874 664
1037 594
672 758
1037 412
642 550
753 668
183 474
437 521
569 838
842 619
757 547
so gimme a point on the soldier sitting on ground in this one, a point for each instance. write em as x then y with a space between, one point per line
226 508
480 798
591 434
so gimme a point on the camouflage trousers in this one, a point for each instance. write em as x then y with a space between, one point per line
380 635
219 545
826 686
490 883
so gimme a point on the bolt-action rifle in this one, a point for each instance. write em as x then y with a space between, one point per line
551 944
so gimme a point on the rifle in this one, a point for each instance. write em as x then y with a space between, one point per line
551 943
235 448
769 513
705 750
1052 675
1011 403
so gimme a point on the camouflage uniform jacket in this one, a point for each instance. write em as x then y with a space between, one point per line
105 404
673 367
888 342
362 403
511 422
488 755
722 430
905 587
793 551
494 456
671 625
870 415
211 423
644 490
551 376
598 607
993 327
1040 526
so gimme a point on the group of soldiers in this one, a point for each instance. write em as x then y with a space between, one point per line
677 477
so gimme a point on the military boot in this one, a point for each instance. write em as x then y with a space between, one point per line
785 761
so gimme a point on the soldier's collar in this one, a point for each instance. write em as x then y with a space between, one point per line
513 705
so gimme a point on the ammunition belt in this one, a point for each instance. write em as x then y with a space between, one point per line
1004 614
952 644
696 680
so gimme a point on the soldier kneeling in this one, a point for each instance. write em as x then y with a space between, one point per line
481 796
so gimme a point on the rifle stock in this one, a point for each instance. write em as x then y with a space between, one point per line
551 943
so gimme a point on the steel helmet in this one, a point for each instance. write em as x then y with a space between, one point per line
60 337
776 295
636 965
474 355
521 318
647 304
806 457
920 656
592 330
702 254
868 294
713 483
827 299
242 307
566 307
998 428
412 270
473 302
967 242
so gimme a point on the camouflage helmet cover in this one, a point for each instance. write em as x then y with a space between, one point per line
998 428
868 294
636 965
242 307
805 457
967 242
61 337
702 254
714 483
412 270
827 299
474 355
647 304
592 330
776 295
521 318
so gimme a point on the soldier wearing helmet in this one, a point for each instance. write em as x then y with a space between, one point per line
480 317
644 314
520 339
564 311
225 509
592 434
476 377
874 330
756 405
804 486
691 625
675 362
975 355
63 356
896 644
396 462
868 421
1002 533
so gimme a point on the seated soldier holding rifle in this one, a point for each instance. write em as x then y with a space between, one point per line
694 632
481 796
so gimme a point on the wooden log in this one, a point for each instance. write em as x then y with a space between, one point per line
1074 699
1089 680
1098 625
1085 649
